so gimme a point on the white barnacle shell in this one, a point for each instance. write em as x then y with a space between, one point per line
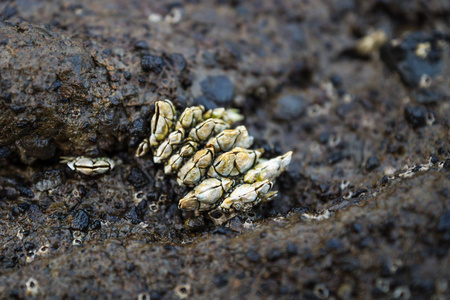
165 150
176 160
162 121
230 115
203 131
246 195
230 138
89 166
235 162
193 171
269 169
143 148
206 194
190 117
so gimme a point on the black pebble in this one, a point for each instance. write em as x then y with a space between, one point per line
218 89
137 178
152 63
80 220
416 116
372 163
141 45
127 75
290 107
444 222
253 256
274 254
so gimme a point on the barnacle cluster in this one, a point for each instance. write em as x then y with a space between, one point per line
211 158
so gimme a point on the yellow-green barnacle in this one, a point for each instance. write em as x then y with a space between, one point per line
208 128
176 160
206 195
190 117
235 162
269 169
143 148
230 115
87 165
230 138
165 150
245 196
162 122
192 172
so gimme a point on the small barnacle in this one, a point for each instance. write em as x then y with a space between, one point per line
32 287
269 169
183 291
193 171
190 117
205 130
231 138
162 121
235 162
206 194
228 115
245 196
165 150
87 165
176 160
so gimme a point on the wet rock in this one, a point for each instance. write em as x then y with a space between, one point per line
416 55
141 45
137 178
152 63
208 59
80 220
416 116
178 61
207 103
372 163
49 180
290 107
4 152
37 147
274 254
218 89
428 97
253 256
444 222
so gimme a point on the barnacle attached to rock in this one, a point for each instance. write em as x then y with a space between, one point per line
87 165
211 158
235 162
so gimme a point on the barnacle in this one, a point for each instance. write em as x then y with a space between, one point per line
211 158
87 165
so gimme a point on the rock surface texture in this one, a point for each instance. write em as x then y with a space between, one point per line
363 211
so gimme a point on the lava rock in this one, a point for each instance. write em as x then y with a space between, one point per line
290 107
152 63
141 45
428 97
37 147
372 163
444 222
416 55
80 220
137 178
218 89
178 61
416 116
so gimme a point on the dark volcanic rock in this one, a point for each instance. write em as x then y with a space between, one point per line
416 55
416 116
152 63
218 89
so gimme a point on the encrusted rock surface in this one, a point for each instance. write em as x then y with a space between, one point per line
362 212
